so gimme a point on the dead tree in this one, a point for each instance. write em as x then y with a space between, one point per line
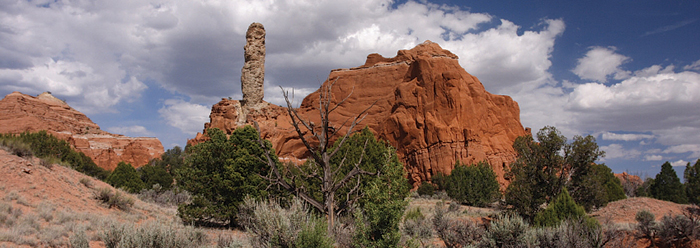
320 155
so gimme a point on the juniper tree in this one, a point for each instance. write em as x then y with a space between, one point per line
328 163
667 186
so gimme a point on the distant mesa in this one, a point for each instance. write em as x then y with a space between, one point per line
20 112
427 106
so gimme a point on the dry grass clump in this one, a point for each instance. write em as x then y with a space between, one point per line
671 231
16 147
152 234
114 198
168 198
86 182
274 226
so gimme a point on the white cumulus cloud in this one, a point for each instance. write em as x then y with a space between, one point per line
653 158
601 62
618 151
693 149
134 130
188 117
679 163
625 136
695 66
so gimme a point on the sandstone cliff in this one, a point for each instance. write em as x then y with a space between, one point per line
427 106
20 113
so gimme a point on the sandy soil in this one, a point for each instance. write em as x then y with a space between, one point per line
624 211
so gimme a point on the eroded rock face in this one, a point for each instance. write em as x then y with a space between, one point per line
253 71
20 113
426 105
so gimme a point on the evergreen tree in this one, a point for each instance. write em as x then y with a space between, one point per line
692 182
537 172
382 198
542 169
473 185
172 159
219 173
155 174
125 176
596 187
667 186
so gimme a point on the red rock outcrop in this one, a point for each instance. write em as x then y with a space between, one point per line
626 178
20 113
426 105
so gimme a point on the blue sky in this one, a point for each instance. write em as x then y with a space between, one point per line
626 72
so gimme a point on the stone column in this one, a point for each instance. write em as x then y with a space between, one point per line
253 72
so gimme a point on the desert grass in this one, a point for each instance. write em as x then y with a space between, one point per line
142 225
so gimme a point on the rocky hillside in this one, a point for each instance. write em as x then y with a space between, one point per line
20 112
427 106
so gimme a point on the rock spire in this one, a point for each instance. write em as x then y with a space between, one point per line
253 72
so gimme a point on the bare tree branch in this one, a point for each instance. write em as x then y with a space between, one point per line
278 179
320 167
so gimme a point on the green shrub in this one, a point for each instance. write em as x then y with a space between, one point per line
473 185
314 235
414 214
562 208
426 188
382 208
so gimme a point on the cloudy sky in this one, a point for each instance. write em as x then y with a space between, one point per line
627 73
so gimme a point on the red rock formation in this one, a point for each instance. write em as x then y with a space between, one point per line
20 113
629 183
427 106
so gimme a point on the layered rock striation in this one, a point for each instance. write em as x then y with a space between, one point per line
20 113
425 104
